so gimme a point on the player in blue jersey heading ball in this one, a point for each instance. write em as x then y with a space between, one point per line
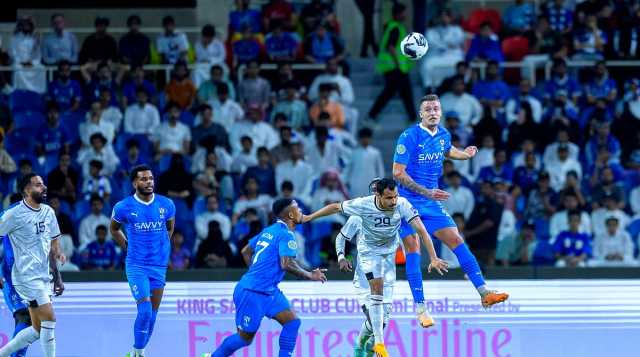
148 220
417 165
269 255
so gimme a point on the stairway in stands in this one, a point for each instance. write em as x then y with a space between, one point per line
367 84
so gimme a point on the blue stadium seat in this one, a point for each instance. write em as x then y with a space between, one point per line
184 214
187 118
20 143
24 100
199 206
543 254
70 121
28 120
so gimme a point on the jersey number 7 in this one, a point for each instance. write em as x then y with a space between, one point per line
262 246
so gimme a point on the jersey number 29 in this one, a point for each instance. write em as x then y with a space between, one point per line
261 246
383 221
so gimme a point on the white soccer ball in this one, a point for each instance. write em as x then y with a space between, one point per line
414 46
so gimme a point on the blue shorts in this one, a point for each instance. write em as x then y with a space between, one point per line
11 298
142 280
434 218
252 306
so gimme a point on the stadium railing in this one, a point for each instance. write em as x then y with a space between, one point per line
532 69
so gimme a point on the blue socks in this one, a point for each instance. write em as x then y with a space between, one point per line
152 323
469 265
230 345
19 327
288 338
141 328
414 276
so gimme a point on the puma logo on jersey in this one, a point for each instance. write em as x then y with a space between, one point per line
432 156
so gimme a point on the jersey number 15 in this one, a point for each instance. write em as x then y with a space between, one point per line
39 227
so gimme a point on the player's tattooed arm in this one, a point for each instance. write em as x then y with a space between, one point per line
118 236
171 224
291 265
327 210
55 255
401 175
466 154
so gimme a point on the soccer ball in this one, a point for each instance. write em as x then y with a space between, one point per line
414 46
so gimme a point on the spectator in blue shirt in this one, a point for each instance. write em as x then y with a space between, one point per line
560 18
51 138
101 253
560 80
572 248
281 45
602 139
322 45
129 93
264 173
526 177
601 86
246 49
134 46
589 41
94 83
244 16
485 46
59 44
501 168
64 91
492 92
519 17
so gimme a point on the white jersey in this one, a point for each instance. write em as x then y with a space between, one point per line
379 227
352 231
30 232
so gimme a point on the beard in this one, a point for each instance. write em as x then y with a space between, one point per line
39 197
142 192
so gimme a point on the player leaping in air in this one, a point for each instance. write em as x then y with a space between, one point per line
32 229
417 165
148 220
269 255
381 215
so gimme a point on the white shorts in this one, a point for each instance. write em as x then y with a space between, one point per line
35 292
380 266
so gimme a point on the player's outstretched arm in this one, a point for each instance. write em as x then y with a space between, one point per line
401 175
291 265
436 263
55 255
116 233
327 210
466 154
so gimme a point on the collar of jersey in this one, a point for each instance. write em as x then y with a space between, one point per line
282 222
375 202
153 197
31 208
428 131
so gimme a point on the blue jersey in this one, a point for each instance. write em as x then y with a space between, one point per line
423 154
265 272
11 298
145 225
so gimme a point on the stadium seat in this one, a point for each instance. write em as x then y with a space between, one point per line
479 16
515 48
24 100
20 144
70 121
28 120
543 253
199 206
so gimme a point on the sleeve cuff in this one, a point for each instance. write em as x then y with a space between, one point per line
412 218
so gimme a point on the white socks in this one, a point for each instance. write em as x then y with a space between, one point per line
23 339
376 314
47 338
138 352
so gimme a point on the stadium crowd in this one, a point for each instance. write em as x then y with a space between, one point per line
556 179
